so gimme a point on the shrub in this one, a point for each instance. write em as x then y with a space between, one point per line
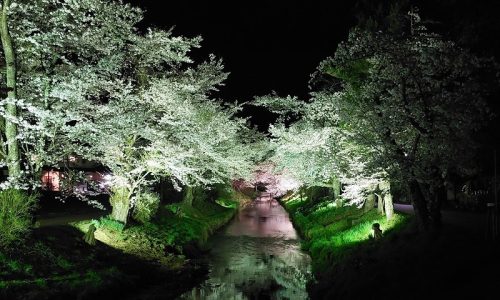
16 207
146 206
108 223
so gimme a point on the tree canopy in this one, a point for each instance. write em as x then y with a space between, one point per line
401 105
91 84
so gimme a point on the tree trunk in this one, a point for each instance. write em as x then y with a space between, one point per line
336 188
385 194
121 210
188 196
370 202
120 202
434 204
13 155
389 207
380 204
419 205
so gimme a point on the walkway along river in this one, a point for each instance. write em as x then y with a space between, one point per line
257 256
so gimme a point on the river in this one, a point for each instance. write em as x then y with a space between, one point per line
257 256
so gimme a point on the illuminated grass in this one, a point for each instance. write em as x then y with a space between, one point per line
175 226
195 223
330 232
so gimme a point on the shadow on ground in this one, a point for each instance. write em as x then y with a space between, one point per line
56 263
452 264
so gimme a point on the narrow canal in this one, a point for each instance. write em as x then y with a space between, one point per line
257 256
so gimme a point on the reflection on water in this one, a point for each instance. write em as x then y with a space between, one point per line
257 257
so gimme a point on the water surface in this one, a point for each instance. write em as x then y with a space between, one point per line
257 256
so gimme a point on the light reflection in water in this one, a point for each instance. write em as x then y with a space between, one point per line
256 257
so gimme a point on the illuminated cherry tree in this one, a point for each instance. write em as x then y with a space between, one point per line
400 105
67 54
316 151
168 130
91 84
412 97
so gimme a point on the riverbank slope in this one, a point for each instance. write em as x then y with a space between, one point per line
457 262
153 260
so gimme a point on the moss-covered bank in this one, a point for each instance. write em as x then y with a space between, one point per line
55 263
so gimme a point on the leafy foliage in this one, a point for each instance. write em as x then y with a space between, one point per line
318 150
109 224
418 106
401 105
98 88
146 207
16 207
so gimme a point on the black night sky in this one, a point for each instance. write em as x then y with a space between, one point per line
276 45
266 46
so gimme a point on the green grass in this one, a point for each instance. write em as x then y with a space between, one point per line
16 207
74 279
51 262
176 225
63 263
329 233
16 273
112 225
194 223
179 224
14 266
57 261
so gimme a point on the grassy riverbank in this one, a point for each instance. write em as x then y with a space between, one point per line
330 233
149 259
455 262
178 232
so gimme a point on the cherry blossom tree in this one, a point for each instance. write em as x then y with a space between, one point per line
413 97
316 151
91 84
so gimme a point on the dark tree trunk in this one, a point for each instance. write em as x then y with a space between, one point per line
433 206
419 205
163 188
435 210
188 196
